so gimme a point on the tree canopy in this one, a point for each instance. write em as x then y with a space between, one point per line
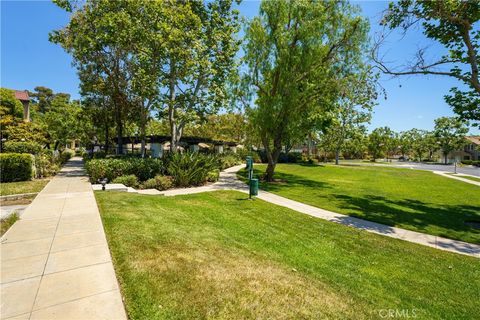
292 52
455 25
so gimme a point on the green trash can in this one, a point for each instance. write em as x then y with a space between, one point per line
253 187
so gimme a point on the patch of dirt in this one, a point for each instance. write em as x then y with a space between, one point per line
16 202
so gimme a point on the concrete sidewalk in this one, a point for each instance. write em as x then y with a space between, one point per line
458 177
229 181
55 261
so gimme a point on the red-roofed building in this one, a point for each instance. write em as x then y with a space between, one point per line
25 100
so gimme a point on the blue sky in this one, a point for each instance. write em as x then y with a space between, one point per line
28 59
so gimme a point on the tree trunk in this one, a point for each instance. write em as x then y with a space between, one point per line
118 120
143 125
272 158
107 142
445 155
270 171
142 150
174 139
337 155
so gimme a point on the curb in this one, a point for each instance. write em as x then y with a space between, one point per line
17 196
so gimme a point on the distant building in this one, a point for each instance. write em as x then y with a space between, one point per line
470 151
25 100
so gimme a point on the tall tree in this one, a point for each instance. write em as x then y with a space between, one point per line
450 134
42 97
352 109
380 142
199 49
454 24
415 138
103 38
292 51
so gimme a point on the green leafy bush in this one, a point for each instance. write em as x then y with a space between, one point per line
21 147
143 169
243 153
46 164
159 182
213 175
16 167
471 162
149 184
129 180
227 160
66 155
190 168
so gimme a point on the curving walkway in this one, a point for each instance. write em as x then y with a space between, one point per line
228 181
55 260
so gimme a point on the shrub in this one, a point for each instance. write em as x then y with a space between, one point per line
227 160
164 182
129 180
94 155
149 184
213 175
294 157
306 159
21 147
66 155
159 182
190 168
46 163
143 169
16 167
243 153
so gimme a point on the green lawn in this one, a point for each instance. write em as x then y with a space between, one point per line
217 255
7 188
465 177
6 223
406 198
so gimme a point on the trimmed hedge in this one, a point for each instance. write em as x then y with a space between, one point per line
159 182
471 162
143 169
21 147
16 167
129 180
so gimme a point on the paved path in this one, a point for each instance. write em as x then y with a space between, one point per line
55 260
457 177
228 181
469 170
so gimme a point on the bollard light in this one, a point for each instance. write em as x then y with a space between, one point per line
103 181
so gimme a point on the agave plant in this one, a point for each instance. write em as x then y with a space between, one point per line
190 168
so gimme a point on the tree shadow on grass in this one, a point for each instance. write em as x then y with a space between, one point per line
292 181
446 220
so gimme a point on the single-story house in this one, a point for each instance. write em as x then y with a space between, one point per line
158 145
